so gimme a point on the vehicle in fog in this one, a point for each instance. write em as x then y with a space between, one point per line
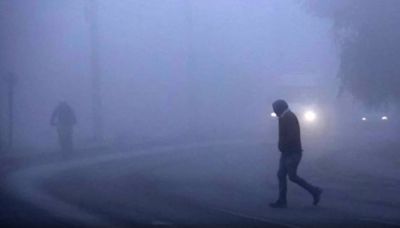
375 121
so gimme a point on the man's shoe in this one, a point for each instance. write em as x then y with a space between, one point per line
317 196
278 204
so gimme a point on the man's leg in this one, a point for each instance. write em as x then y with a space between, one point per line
69 139
65 138
61 138
282 178
292 164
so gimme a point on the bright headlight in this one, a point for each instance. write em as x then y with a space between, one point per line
364 119
384 118
310 116
273 114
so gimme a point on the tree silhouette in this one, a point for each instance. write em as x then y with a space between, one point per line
368 34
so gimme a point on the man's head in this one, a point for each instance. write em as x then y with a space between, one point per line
279 107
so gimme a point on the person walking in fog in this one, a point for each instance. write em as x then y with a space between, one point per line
291 153
64 119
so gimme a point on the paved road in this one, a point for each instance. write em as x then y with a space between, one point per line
218 183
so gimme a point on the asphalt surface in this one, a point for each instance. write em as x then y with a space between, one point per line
223 183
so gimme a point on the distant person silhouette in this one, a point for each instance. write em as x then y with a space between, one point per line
291 152
64 119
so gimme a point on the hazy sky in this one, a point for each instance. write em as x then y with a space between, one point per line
163 63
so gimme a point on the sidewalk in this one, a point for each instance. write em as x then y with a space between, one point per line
17 213
13 212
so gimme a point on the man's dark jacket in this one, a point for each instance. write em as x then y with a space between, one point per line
289 134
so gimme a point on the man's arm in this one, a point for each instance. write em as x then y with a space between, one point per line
282 145
288 131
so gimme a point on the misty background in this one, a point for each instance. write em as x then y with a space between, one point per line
165 69
174 119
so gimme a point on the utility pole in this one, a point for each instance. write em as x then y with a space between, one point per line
191 76
91 9
10 80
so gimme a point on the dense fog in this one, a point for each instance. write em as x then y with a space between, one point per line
169 112
166 69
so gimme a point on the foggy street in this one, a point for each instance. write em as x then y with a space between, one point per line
170 185
249 113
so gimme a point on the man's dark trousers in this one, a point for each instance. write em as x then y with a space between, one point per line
288 167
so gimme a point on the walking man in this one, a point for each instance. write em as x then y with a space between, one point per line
291 152
64 119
